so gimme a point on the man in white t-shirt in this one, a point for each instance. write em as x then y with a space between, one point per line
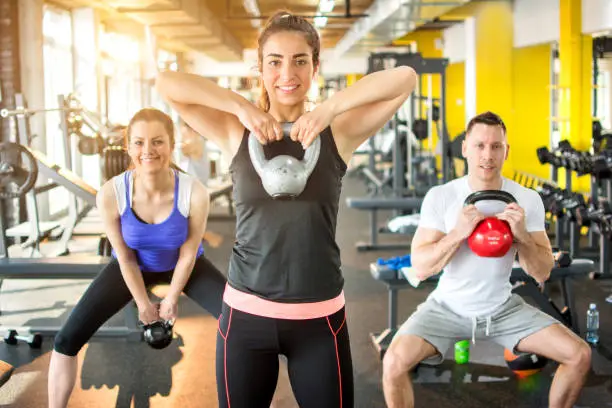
473 298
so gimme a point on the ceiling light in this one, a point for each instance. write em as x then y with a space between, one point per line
320 21
326 6
253 9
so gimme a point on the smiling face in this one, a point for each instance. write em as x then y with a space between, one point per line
287 68
150 146
486 149
288 50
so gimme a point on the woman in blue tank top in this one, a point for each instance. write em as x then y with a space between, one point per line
154 218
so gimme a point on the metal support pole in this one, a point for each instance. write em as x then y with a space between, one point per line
444 137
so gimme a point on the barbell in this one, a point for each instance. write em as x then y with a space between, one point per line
5 113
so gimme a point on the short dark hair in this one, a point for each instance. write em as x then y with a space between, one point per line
486 118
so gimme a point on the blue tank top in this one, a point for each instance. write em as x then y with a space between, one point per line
156 246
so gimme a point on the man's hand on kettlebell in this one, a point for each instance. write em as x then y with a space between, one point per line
514 215
468 220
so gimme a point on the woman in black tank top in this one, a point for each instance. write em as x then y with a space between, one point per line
284 293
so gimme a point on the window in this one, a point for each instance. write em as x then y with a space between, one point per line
121 66
58 79
603 94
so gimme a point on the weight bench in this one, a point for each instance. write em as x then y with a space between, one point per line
523 285
72 267
373 204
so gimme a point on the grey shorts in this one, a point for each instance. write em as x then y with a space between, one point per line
507 326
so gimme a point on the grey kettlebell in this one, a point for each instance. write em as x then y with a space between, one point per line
283 176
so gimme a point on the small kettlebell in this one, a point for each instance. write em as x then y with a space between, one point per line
284 176
492 237
158 334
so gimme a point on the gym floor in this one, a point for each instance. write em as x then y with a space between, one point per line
118 373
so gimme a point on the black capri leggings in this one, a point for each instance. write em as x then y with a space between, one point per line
108 294
318 357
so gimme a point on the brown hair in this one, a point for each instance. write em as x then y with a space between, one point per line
283 21
151 115
486 118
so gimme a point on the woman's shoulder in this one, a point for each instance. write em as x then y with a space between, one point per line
191 191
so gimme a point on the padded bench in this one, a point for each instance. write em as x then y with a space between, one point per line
373 204
523 284
70 267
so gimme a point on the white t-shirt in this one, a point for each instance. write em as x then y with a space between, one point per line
470 285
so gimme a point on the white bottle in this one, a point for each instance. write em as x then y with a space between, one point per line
592 326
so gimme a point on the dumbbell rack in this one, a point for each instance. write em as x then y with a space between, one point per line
604 272
604 243
566 225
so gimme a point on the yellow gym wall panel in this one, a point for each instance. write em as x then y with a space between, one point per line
531 100
429 44
494 50
494 47
575 78
455 98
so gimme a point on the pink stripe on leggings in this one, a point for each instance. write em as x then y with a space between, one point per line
229 323
335 333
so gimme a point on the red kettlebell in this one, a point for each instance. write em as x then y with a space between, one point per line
492 237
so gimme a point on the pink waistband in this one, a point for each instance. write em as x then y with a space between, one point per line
296 311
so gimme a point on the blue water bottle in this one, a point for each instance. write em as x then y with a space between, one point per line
592 336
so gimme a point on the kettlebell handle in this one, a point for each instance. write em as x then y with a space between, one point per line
165 323
497 195
286 126
283 175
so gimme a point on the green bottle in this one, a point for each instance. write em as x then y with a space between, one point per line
462 352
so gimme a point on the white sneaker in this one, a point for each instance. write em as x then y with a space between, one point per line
609 299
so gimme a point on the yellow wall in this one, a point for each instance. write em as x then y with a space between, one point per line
514 82
429 45
494 48
429 42
455 99
531 101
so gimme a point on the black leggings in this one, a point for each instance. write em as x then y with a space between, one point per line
108 294
318 357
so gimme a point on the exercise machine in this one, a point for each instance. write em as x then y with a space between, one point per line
413 171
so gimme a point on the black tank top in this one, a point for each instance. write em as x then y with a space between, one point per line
286 250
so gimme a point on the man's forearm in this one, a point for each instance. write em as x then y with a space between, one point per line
430 259
536 260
